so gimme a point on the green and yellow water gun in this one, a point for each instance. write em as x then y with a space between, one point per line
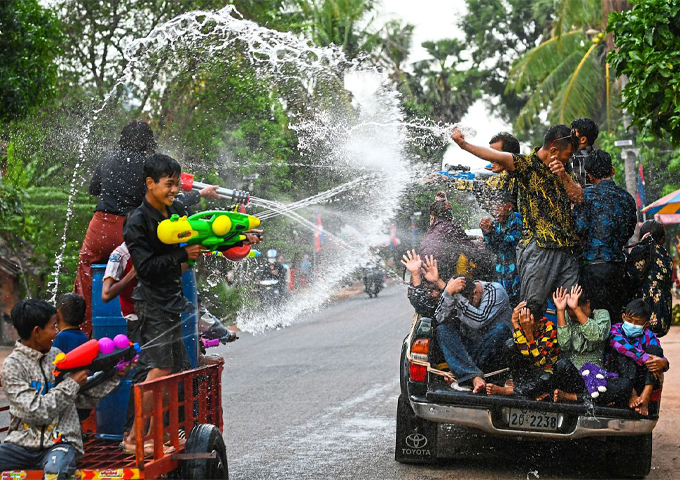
213 229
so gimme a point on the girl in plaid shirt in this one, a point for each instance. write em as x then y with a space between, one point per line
634 352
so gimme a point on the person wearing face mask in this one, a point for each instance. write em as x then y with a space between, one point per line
635 353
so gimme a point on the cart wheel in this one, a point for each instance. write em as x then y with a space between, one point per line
206 438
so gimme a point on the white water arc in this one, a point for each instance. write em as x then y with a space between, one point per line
364 139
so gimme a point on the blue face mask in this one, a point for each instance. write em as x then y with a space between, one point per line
631 330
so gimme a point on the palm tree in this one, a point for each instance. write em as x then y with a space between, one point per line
567 75
339 22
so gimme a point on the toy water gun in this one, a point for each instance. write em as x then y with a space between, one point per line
458 172
236 196
236 253
210 342
212 229
104 355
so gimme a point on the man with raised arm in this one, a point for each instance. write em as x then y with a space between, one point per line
545 191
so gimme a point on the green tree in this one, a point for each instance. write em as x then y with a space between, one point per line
339 22
440 89
648 52
29 43
517 26
567 74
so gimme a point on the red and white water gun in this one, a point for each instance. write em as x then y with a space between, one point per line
236 196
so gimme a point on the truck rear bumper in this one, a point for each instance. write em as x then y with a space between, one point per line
484 419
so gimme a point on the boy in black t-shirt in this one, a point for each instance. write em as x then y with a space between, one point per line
158 297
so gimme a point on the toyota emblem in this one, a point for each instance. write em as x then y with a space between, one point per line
416 440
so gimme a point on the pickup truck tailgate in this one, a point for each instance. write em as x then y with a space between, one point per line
498 415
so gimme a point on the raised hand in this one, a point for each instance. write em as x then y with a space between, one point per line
486 224
516 312
560 298
557 168
455 285
457 136
411 260
431 269
526 321
574 295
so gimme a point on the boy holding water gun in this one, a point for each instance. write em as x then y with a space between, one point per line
44 430
158 296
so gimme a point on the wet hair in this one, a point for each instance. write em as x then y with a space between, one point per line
583 299
158 166
31 313
72 307
469 289
510 143
555 132
599 164
656 229
500 196
638 308
586 128
536 309
137 137
441 209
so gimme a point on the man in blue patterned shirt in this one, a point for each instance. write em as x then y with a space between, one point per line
605 221
502 234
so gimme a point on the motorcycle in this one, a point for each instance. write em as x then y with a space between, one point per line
373 280
270 292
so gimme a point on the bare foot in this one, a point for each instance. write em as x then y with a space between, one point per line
560 396
543 396
478 385
642 407
129 447
634 400
492 389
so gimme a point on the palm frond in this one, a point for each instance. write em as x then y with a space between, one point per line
544 94
537 63
582 95
573 14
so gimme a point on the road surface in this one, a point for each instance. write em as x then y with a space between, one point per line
317 400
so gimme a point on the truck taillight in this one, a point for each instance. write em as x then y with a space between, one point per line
417 373
420 349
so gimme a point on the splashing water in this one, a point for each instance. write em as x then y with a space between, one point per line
360 141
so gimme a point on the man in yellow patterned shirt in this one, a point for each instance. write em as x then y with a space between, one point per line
546 251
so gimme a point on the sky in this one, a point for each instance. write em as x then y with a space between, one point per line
434 20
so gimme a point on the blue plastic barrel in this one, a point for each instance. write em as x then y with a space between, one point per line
99 308
190 320
108 321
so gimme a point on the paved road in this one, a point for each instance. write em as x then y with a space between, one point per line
317 401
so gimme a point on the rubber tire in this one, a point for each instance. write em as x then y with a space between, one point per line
205 438
631 456
409 424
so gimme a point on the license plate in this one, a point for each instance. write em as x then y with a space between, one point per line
529 420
